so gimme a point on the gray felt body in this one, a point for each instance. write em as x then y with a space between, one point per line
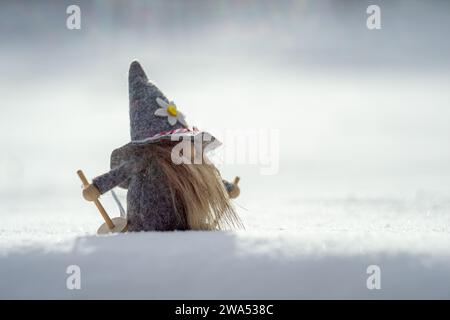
150 206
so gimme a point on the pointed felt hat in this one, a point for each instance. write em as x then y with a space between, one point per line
153 117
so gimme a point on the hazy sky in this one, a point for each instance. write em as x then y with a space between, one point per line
357 111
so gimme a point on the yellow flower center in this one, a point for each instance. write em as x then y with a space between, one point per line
172 110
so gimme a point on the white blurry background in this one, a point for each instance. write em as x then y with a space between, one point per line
363 116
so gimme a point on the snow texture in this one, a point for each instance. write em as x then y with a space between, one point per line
314 249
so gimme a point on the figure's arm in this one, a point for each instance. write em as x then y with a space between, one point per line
111 179
232 188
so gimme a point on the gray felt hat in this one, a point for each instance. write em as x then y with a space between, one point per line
153 117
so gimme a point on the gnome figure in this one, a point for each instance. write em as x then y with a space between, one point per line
171 183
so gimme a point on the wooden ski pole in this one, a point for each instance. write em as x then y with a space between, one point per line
99 206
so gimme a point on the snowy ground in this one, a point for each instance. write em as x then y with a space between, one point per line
313 249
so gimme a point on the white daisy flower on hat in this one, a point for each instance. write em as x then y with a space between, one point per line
170 111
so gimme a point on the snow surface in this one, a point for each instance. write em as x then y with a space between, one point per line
313 249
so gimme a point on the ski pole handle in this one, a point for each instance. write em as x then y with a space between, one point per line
97 202
83 178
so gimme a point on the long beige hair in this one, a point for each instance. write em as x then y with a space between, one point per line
199 189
